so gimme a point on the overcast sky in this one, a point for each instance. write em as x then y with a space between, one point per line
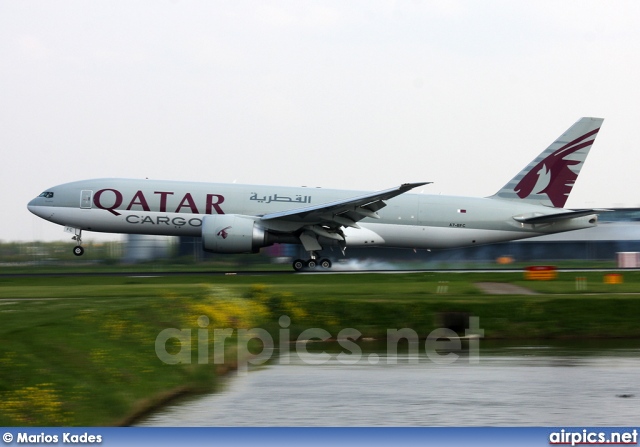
344 94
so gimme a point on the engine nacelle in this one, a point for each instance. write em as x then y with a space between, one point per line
232 233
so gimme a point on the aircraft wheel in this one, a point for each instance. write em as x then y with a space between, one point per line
325 263
298 265
78 250
311 264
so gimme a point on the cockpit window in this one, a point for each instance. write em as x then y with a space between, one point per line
46 195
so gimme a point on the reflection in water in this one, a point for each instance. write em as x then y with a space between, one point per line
531 385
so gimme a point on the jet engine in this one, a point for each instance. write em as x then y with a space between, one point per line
232 233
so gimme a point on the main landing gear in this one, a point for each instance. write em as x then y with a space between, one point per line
311 264
78 250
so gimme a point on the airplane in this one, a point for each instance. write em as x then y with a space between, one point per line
234 218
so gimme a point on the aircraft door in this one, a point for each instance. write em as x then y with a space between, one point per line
86 198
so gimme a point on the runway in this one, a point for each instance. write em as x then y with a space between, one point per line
142 274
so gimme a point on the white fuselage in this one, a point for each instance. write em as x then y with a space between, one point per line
178 208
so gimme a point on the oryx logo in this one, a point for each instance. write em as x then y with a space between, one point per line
223 233
554 175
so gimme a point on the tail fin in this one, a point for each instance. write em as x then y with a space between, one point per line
549 178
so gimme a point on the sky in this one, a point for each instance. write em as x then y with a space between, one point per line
361 95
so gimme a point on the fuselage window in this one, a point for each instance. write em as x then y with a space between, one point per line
46 195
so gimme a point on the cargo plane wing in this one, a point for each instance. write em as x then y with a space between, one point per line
233 218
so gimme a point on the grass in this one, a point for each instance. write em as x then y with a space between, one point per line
86 362
81 350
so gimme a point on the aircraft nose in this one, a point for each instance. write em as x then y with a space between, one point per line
35 206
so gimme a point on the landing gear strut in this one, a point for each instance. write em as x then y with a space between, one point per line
78 250
311 264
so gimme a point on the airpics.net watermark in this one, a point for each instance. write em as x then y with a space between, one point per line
440 346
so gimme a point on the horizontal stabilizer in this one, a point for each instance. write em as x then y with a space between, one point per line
549 218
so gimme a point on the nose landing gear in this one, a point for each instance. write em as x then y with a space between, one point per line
78 250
